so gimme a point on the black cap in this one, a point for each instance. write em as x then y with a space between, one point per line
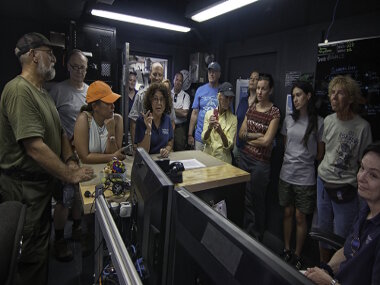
214 65
30 41
226 89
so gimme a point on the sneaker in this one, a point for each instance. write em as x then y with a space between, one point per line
298 262
61 251
287 255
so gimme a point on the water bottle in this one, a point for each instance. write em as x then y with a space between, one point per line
68 195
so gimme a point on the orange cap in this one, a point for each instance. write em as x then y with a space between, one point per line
100 90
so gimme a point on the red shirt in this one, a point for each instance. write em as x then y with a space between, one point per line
258 122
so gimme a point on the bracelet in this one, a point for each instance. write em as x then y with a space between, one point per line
148 132
72 157
333 282
327 268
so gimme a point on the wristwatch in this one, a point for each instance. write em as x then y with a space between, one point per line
112 138
333 281
72 157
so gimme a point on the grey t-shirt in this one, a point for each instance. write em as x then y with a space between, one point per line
298 166
345 142
68 101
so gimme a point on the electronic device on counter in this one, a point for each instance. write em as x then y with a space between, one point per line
172 170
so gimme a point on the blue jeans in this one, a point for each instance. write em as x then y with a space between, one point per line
255 194
334 217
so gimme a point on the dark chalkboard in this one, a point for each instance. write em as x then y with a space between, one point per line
359 58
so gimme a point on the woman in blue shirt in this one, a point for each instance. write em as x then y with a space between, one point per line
358 262
154 131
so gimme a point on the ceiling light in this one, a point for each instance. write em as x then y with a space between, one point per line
139 21
219 9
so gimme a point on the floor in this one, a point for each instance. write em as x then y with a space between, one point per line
80 270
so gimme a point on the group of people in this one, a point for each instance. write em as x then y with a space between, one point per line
44 135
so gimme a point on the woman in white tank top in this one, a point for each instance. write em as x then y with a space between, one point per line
98 132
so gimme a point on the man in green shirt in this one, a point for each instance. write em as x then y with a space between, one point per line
34 152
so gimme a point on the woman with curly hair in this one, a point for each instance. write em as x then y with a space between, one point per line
154 131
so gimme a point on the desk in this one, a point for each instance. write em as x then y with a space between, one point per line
88 203
220 179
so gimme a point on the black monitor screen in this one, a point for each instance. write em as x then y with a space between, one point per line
149 189
208 249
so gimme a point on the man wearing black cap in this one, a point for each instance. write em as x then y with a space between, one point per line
32 148
219 128
205 100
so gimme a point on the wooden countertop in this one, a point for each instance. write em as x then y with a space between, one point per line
216 173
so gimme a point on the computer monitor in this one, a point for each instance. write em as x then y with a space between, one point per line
150 188
206 248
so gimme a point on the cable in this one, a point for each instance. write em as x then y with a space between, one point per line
332 21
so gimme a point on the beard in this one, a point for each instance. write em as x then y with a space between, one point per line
46 72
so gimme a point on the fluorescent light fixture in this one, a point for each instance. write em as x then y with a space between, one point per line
219 9
139 21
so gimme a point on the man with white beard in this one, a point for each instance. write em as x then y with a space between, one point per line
34 153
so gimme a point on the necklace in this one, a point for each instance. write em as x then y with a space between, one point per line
100 129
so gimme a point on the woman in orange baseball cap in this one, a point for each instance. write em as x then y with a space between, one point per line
98 131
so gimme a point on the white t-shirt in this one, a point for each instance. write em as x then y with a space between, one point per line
298 166
181 102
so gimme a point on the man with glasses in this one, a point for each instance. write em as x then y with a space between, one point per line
181 104
34 152
69 96
156 76
205 99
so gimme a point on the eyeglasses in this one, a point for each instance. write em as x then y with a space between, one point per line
78 67
156 99
157 75
48 51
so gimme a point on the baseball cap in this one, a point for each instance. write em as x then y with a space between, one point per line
30 41
214 65
100 90
226 89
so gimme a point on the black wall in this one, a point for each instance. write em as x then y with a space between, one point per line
292 50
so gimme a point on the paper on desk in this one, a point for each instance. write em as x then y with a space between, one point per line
190 163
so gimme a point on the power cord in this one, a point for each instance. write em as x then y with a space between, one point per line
332 22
